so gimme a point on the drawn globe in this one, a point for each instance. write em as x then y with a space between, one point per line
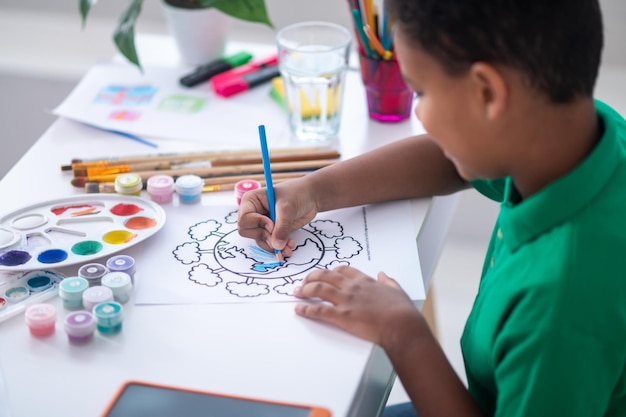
241 256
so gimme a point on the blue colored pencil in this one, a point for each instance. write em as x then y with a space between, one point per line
269 186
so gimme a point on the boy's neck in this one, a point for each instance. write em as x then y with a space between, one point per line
557 141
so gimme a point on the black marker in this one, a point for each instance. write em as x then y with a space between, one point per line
205 72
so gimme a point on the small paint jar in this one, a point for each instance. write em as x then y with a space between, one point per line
243 187
122 263
189 188
120 284
109 317
128 184
16 294
41 319
71 291
80 327
93 273
96 295
160 188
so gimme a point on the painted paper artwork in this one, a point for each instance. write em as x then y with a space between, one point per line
199 257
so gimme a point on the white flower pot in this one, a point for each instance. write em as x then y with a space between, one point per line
200 34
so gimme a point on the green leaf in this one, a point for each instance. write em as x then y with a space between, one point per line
124 35
84 7
250 10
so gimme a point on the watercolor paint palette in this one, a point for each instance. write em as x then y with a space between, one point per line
27 288
74 230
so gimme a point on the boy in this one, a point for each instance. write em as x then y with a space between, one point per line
505 91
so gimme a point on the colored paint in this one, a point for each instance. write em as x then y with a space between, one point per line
128 184
52 256
16 294
90 210
88 247
121 285
71 291
118 237
80 327
243 187
14 258
140 223
108 317
189 188
60 210
93 273
41 319
160 188
122 209
96 295
39 283
122 263
3 303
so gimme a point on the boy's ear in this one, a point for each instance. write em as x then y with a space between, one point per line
491 89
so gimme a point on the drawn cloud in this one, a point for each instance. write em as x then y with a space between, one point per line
203 275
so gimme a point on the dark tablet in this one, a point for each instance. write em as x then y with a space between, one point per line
142 399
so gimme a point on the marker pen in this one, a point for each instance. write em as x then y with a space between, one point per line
237 84
221 80
206 72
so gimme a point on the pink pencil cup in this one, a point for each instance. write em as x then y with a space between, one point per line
388 97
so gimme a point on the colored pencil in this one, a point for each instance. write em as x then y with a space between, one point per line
269 186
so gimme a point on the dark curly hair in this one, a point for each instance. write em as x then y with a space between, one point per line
556 44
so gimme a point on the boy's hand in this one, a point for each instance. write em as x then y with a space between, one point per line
374 310
294 209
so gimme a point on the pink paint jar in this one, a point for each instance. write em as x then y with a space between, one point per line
41 319
243 187
160 188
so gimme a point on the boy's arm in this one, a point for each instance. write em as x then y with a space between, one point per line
408 168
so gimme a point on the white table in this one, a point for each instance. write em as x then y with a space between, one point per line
268 352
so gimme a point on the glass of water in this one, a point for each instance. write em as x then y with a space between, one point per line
313 57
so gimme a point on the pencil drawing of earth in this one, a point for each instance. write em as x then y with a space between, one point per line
219 257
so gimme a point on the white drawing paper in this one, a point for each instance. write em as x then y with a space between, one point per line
153 104
199 257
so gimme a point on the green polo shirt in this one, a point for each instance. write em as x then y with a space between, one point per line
547 333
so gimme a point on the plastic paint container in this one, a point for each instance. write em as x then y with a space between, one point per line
120 284
93 273
189 188
109 317
243 187
128 184
160 188
80 327
96 295
16 294
71 291
41 319
122 263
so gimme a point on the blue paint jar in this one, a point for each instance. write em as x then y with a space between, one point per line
189 188
71 291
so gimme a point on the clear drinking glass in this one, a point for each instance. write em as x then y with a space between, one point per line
313 57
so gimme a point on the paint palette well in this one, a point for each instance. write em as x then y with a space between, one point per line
75 230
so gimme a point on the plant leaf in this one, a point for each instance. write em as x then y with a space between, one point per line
250 10
84 7
124 35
